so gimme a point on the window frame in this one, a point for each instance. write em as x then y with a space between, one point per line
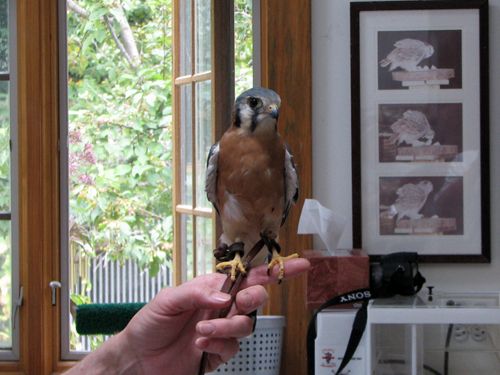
13 214
222 78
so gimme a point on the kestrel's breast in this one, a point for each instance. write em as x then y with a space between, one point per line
250 183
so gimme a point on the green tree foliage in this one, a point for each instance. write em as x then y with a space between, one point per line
120 112
243 45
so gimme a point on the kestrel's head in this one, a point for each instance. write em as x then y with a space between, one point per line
256 110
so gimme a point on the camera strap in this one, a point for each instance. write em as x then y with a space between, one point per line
358 327
360 320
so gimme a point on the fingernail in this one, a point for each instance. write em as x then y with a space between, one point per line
206 329
220 297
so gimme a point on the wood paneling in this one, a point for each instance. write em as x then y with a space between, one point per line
38 181
286 69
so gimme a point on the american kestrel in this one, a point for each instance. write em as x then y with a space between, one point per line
412 127
407 55
251 178
411 199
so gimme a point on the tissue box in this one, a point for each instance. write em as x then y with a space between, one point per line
330 276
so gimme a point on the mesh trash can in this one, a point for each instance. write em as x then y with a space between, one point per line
260 353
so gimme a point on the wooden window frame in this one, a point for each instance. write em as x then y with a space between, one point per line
222 80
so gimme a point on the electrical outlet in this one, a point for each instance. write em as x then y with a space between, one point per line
460 332
478 332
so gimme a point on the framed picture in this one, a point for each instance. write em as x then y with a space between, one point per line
420 118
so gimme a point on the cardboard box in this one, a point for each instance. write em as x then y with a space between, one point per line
330 276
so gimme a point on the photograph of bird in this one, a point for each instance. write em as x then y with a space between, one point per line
411 199
251 180
407 55
411 128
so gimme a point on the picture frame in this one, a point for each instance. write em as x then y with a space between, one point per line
420 129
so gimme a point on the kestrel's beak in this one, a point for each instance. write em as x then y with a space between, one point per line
274 111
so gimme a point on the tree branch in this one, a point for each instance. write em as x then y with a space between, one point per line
129 47
128 37
77 9
120 46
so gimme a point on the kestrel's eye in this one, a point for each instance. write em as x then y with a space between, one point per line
254 103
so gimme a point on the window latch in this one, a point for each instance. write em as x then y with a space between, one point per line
17 303
53 285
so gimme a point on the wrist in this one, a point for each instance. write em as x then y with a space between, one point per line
114 357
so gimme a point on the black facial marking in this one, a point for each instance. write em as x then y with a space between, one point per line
254 123
237 120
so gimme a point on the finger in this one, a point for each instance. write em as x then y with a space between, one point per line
251 299
222 349
258 274
238 326
171 301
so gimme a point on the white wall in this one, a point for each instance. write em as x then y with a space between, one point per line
332 139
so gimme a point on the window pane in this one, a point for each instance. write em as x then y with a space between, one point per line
5 286
4 147
120 179
203 138
204 251
243 45
186 145
203 45
4 35
187 246
185 40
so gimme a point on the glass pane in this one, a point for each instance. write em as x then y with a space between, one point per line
186 124
203 138
5 286
187 233
243 45
204 250
203 36
185 41
120 154
4 35
4 147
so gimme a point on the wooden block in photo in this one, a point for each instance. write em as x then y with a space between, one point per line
424 75
431 225
429 153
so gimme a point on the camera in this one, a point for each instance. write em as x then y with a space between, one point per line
396 273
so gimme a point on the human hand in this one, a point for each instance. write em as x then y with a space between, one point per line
174 329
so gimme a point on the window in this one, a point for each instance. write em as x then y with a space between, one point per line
37 211
205 87
9 283
119 157
193 136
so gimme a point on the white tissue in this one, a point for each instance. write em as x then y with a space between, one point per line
316 219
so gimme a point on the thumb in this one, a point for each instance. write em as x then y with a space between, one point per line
189 296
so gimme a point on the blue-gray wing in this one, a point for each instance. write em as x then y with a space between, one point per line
211 175
291 183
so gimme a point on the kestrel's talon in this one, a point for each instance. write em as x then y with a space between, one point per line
235 266
278 259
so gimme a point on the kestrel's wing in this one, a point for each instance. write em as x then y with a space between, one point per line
410 194
413 123
400 55
211 175
291 183
409 43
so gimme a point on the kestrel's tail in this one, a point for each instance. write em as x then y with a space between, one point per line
384 62
394 137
